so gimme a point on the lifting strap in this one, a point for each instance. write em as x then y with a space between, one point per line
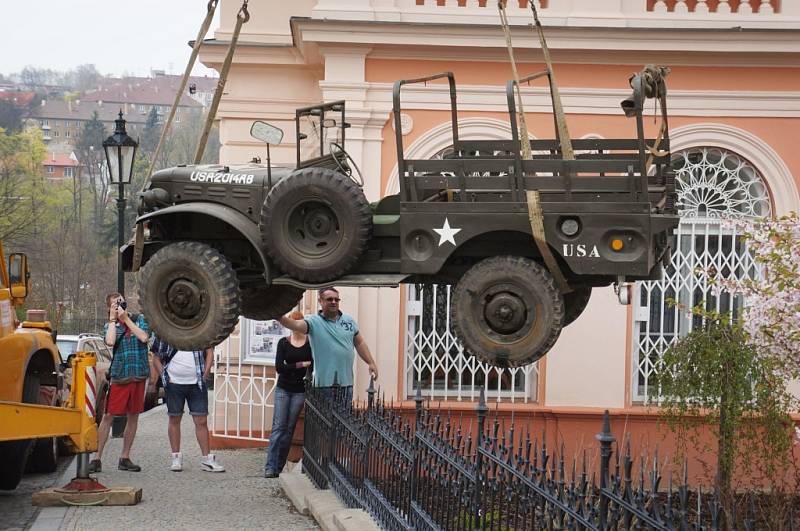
535 216
241 17
654 87
201 35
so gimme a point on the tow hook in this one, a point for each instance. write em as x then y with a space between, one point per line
623 291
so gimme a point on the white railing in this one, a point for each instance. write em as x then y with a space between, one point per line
242 400
576 13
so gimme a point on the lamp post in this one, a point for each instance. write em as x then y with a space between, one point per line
120 151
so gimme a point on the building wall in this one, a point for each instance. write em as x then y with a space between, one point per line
728 90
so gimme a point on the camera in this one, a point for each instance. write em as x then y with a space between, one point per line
122 304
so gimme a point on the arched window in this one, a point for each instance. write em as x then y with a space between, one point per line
713 185
434 359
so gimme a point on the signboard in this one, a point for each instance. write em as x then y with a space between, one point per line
261 340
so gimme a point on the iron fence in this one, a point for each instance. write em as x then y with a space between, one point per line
437 472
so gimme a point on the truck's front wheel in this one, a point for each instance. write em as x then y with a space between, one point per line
189 295
507 311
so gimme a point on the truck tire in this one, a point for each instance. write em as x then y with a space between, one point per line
100 403
507 311
15 453
44 455
190 295
315 224
263 303
575 302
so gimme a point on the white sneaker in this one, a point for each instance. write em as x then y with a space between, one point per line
209 464
177 462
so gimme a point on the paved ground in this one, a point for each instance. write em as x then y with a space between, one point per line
16 511
237 499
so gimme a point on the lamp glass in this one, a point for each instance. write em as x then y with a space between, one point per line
127 153
112 157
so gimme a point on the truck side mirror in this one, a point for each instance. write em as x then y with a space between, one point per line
266 132
18 275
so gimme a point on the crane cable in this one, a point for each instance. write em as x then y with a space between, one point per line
535 216
241 17
201 35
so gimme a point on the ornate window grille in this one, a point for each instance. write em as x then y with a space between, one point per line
714 185
435 360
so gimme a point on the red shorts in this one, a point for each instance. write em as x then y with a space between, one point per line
126 398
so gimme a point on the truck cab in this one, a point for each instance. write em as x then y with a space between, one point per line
29 363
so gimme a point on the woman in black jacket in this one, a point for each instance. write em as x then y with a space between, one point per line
292 360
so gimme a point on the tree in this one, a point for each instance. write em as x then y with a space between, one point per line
85 77
732 373
89 147
38 77
21 156
772 317
11 116
150 133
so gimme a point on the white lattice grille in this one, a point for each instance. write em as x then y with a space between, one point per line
713 186
435 360
243 394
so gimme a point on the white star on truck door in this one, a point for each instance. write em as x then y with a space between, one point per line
446 234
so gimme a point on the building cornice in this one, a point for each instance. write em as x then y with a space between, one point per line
656 39
492 98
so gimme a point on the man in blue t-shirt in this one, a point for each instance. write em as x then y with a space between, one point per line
333 335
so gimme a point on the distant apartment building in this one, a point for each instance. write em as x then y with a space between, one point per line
62 121
158 91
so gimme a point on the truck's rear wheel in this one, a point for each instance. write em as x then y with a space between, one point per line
15 453
315 224
507 311
263 303
575 302
189 295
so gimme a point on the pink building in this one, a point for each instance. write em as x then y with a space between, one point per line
734 116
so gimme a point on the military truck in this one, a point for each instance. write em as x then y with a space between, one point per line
29 361
523 238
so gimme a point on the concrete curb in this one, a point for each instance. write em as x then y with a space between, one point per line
51 518
323 505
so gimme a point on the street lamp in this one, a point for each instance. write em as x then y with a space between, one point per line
120 151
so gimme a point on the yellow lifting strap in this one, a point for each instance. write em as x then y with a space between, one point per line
201 35
535 216
241 17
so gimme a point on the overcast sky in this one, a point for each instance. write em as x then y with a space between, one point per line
116 36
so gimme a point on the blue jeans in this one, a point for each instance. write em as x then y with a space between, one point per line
191 394
287 410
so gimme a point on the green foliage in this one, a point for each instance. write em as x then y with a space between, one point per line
11 116
715 377
150 133
21 182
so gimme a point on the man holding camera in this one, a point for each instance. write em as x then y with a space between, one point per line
127 336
